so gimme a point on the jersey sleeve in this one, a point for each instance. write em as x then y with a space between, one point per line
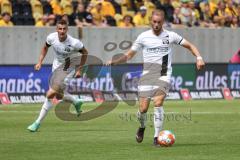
137 45
49 40
78 45
177 39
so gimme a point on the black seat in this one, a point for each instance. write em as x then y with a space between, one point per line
22 13
29 20
74 4
47 8
16 8
26 8
111 21
18 19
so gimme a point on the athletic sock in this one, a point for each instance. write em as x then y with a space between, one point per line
71 98
158 120
47 105
142 118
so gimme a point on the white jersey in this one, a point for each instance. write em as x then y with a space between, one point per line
68 49
158 50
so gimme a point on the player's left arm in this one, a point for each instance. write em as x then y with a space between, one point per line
193 49
82 62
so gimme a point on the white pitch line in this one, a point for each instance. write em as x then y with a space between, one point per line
1 111
197 113
203 112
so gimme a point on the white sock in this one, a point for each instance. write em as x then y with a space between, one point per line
142 118
47 105
69 97
158 120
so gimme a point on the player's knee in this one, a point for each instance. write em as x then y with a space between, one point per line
144 104
158 102
50 94
59 96
143 110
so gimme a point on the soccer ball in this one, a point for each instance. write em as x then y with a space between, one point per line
166 138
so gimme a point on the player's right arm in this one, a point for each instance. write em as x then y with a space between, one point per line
137 45
122 59
42 56
49 42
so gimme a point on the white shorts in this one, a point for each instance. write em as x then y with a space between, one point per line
150 91
60 79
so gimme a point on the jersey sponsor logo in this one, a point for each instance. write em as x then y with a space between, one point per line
157 50
62 54
63 50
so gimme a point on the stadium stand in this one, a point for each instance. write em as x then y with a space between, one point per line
179 13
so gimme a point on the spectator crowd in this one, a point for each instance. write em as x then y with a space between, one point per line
120 13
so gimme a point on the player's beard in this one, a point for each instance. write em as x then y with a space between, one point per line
62 36
157 29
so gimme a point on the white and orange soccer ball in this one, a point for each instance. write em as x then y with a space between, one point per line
166 138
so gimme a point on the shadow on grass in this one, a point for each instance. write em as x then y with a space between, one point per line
93 130
62 111
202 144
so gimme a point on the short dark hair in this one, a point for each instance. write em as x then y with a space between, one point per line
158 12
6 13
62 22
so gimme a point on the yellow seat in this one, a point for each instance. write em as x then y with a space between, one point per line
67 7
126 3
118 18
130 13
37 16
37 8
125 11
6 6
57 10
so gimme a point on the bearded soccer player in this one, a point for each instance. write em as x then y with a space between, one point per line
156 45
64 66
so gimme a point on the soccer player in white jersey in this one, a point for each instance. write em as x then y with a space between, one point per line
156 45
66 48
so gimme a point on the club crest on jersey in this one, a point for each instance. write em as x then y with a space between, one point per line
165 41
67 49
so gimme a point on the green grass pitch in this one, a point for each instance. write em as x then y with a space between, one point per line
204 130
